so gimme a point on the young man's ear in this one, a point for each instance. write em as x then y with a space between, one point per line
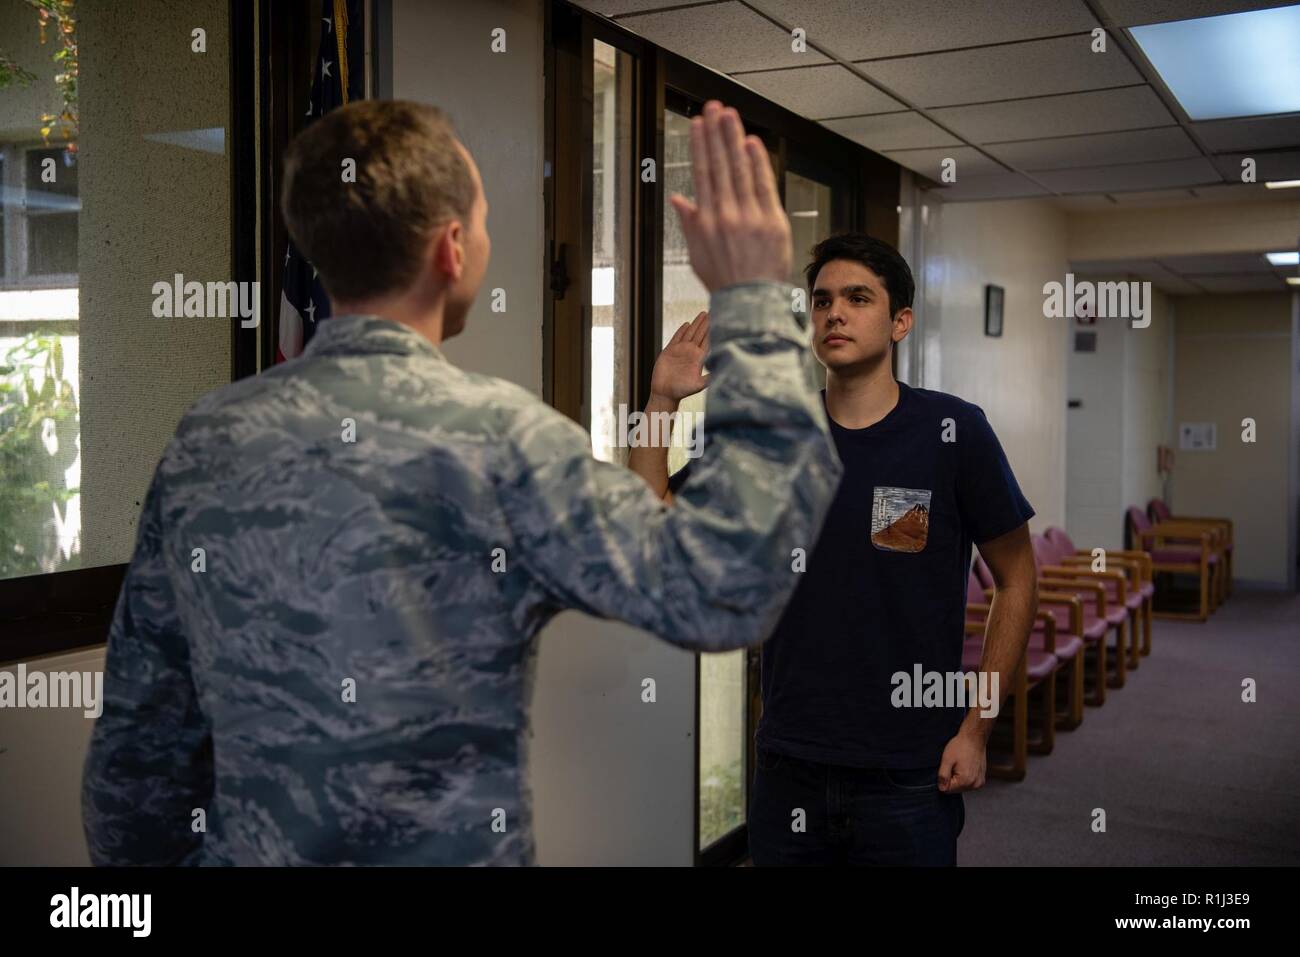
902 324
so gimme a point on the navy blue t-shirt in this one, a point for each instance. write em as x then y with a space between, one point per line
885 586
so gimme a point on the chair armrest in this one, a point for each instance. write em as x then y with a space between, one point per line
1187 530
1096 588
1133 554
1184 539
1049 630
1072 602
1112 558
1212 519
1222 526
1131 566
1119 578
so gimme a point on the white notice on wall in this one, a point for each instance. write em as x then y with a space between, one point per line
1196 436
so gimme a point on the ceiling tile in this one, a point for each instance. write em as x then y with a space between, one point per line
1218 264
989 186
893 131
1130 176
1155 197
1129 13
728 37
1037 68
1283 164
1228 136
1096 112
1244 193
821 91
1263 282
1087 202
1142 270
1113 267
612 8
853 30
968 162
1159 275
1097 149
1180 287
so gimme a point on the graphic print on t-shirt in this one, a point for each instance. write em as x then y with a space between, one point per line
900 518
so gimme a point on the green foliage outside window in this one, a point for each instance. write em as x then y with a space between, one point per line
38 409
722 798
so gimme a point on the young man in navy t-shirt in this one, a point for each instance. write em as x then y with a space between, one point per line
849 768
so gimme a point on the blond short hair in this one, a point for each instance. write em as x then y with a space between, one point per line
367 238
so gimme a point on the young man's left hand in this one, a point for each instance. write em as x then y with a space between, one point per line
963 763
679 370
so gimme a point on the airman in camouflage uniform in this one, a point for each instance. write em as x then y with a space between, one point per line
342 673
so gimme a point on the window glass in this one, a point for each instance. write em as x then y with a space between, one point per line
614 172
808 204
100 204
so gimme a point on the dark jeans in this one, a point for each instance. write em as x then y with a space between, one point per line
854 816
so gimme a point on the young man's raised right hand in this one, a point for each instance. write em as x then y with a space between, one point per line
736 230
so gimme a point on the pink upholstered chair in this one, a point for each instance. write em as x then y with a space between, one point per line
1136 569
1078 631
1086 583
1182 550
1159 513
1065 645
1037 672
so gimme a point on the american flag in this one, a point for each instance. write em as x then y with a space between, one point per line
303 301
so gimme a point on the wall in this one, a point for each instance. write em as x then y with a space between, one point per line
1183 230
1234 360
1019 379
496 101
613 778
41 754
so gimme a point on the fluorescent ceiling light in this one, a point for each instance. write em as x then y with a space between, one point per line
1293 280
1283 184
1239 64
1284 259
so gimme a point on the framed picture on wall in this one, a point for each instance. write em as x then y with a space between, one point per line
993 310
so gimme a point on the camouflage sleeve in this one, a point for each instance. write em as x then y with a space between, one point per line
714 571
150 759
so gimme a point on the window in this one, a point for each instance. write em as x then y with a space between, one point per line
40 436
92 379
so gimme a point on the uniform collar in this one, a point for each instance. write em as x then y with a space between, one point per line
368 335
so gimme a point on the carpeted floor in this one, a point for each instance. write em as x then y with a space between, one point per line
1187 773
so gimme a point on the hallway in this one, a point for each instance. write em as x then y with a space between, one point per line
1187 773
